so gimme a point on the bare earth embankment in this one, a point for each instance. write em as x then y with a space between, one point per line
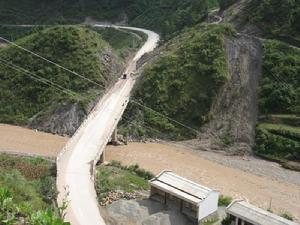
15 139
257 180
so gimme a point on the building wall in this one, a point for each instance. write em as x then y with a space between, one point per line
208 206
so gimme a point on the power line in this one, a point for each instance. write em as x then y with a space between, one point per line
165 116
85 78
39 78
53 63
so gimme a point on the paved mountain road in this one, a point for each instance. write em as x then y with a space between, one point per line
75 163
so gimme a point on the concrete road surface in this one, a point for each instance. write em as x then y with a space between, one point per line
75 163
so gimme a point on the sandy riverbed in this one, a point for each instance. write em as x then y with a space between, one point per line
236 177
260 190
21 140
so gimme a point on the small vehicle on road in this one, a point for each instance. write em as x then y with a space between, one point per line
124 76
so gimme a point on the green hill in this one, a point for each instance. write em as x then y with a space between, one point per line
278 133
79 49
181 83
275 19
165 16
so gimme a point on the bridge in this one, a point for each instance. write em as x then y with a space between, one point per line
76 162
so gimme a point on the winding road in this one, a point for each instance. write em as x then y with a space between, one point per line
77 160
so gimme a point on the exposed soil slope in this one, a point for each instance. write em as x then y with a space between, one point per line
235 109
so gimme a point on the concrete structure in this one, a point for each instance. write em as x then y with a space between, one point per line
243 213
193 200
76 162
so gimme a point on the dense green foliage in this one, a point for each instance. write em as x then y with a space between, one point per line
277 18
116 177
122 41
181 84
27 190
225 3
165 16
278 142
76 48
13 33
280 100
280 86
224 200
12 213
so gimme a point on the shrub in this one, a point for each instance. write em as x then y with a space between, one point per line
227 221
47 217
224 200
287 215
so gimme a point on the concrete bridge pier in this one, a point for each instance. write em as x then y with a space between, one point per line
114 137
102 157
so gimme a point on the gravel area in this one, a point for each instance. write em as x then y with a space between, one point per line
251 164
261 182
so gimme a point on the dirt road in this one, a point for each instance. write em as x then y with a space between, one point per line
229 181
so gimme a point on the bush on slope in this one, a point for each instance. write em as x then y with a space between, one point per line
181 83
78 49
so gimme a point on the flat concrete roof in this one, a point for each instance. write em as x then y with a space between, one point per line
255 215
180 187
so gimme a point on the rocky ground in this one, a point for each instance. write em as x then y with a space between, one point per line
261 182
247 163
143 212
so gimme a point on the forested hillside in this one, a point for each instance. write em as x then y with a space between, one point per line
78 49
278 133
279 19
165 16
182 83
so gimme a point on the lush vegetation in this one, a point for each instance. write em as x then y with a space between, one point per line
279 142
225 3
122 41
165 16
224 200
116 177
280 86
13 33
277 18
278 138
182 84
28 191
79 49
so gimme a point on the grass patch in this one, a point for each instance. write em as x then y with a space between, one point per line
287 216
224 200
115 177
279 143
28 191
288 119
211 222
